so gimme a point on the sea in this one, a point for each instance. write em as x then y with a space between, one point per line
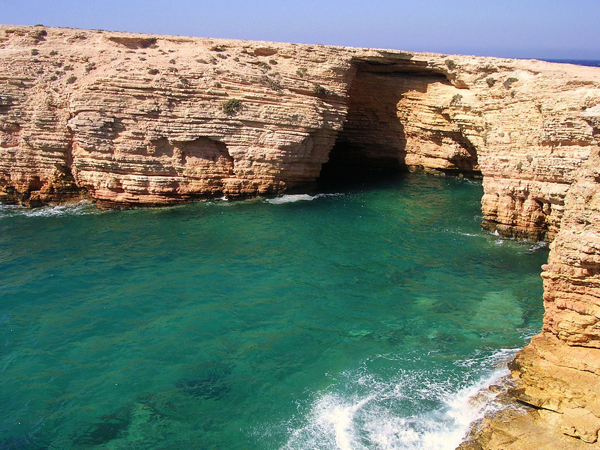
371 316
577 62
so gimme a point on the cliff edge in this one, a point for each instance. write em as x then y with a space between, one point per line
128 119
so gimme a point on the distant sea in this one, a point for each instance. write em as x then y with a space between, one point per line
578 62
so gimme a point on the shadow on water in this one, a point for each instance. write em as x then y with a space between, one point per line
336 178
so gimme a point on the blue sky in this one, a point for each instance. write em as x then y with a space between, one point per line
509 28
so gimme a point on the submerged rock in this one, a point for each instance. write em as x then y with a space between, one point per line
209 383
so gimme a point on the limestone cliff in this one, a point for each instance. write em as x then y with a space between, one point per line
127 119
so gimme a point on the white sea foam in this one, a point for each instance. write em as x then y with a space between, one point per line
537 246
375 421
292 198
79 208
463 233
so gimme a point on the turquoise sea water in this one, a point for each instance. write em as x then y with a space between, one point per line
355 320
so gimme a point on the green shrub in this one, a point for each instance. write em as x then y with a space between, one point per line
35 51
72 79
450 64
232 106
152 71
490 81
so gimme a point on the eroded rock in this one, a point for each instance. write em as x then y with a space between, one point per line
127 119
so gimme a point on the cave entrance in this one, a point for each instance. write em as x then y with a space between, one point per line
396 122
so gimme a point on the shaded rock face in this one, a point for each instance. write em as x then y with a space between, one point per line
388 103
125 119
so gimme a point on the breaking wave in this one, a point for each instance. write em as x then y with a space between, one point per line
292 198
79 208
376 420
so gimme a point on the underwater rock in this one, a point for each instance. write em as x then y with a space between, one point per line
209 382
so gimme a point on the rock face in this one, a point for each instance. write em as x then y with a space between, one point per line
126 119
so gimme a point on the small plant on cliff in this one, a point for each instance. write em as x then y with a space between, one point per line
72 79
450 64
273 84
35 51
232 106
456 100
319 90
509 81
152 71
490 81
302 72
264 65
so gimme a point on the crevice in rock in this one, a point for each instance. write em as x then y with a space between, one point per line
62 186
133 42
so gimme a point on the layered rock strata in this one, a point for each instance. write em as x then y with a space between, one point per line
126 119
558 374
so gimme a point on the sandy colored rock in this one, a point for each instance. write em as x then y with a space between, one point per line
558 373
130 119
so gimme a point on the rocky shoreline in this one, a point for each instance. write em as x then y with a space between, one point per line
126 119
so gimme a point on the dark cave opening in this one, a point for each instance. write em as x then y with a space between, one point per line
350 165
380 131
